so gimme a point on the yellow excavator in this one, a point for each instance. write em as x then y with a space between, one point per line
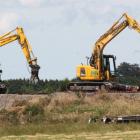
98 74
18 34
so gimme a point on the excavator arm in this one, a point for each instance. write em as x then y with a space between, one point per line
97 55
18 34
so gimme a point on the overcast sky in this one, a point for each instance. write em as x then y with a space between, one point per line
63 32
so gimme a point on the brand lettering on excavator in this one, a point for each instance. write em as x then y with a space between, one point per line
94 73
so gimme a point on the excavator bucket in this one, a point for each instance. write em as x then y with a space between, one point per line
34 74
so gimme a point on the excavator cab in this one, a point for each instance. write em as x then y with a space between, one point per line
109 67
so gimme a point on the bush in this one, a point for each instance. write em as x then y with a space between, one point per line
33 113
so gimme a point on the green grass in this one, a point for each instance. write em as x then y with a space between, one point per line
130 135
63 128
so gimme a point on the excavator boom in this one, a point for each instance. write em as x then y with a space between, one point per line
18 34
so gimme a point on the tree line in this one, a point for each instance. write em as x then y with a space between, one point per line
127 74
44 86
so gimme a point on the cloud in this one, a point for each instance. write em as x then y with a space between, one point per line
66 12
31 3
69 11
7 21
136 51
128 2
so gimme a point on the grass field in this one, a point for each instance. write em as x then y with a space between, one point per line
65 116
69 131
129 135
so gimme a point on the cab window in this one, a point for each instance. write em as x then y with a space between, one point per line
82 72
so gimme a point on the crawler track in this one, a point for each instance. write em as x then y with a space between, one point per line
89 86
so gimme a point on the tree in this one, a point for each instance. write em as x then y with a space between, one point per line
127 69
130 73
